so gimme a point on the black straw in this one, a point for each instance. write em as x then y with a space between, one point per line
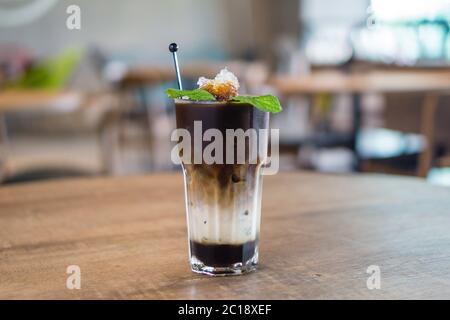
173 47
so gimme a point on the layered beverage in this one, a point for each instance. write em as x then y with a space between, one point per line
223 200
223 196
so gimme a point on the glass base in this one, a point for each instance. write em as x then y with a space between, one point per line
233 270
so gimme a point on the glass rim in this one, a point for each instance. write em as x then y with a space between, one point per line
178 100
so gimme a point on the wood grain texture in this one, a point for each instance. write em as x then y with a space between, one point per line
319 235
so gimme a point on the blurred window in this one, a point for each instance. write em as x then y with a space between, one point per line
327 25
410 10
405 32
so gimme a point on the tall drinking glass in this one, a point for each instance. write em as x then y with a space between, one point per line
223 199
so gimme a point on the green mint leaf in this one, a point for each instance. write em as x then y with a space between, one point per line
196 94
266 103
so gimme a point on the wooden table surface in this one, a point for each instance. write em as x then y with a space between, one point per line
320 233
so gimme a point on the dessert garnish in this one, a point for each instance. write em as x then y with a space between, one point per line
224 87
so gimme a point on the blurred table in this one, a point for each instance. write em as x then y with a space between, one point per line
147 75
32 100
431 83
320 233
372 81
153 75
26 100
17 100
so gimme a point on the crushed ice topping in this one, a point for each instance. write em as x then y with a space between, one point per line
224 86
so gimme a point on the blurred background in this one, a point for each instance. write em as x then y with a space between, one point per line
365 84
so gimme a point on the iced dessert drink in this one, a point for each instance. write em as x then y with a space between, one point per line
223 199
